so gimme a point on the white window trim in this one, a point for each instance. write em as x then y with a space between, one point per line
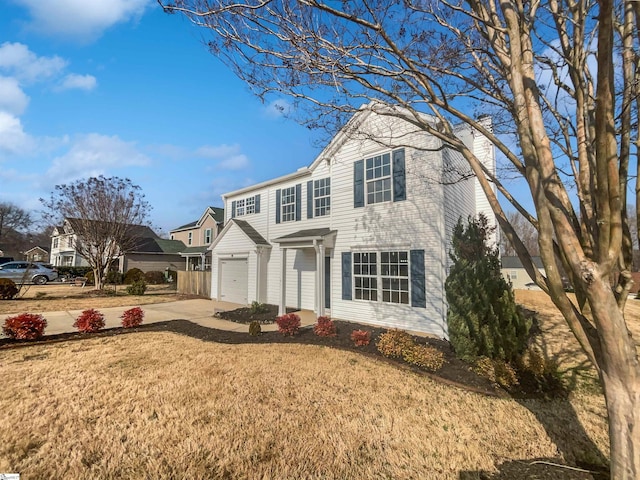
326 209
288 209
372 181
189 238
380 278
207 236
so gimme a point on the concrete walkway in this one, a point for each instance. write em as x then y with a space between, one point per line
198 311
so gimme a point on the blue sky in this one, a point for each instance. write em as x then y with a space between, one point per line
117 87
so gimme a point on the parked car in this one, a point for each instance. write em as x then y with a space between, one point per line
28 272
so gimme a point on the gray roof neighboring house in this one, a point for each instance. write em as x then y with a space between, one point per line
158 245
514 262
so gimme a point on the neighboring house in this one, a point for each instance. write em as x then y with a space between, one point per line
362 234
37 254
151 252
198 236
514 272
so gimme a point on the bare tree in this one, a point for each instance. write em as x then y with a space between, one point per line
525 231
561 80
106 215
13 219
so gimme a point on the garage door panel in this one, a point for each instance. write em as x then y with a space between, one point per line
234 281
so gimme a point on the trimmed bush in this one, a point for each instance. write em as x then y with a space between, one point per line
73 271
154 277
137 288
114 277
325 327
26 326
89 321
393 343
255 329
424 356
257 308
132 317
497 371
360 338
133 275
8 289
288 324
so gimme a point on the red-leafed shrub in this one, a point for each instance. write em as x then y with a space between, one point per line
288 324
361 337
89 321
132 317
325 327
26 326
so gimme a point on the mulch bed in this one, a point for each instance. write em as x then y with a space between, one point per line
245 315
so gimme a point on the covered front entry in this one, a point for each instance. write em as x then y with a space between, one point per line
320 241
234 280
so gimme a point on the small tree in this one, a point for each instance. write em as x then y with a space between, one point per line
107 216
483 318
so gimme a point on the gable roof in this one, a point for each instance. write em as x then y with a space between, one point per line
514 262
142 231
216 213
158 245
251 233
343 135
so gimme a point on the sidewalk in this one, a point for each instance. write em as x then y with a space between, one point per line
198 311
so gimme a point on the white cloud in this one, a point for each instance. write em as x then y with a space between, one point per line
229 156
80 82
13 139
235 162
94 154
12 99
218 151
17 60
82 19
278 108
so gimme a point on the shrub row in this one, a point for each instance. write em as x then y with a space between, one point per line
29 326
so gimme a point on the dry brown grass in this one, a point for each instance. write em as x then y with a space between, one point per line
160 405
558 342
60 297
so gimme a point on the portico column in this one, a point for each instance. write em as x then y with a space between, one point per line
320 276
282 309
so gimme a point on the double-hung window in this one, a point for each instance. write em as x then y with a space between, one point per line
322 197
207 236
190 238
382 276
378 178
288 204
394 272
365 275
240 207
250 205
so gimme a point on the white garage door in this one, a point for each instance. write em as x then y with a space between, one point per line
234 281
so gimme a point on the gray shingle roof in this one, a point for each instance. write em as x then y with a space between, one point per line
250 232
514 262
310 233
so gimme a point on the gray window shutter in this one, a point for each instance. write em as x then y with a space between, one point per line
358 184
257 203
278 206
233 209
310 199
298 202
346 276
418 297
399 177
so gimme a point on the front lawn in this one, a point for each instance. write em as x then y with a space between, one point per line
163 405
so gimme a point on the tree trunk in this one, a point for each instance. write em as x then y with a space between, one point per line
97 278
623 405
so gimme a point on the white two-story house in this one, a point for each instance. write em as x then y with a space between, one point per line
362 234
